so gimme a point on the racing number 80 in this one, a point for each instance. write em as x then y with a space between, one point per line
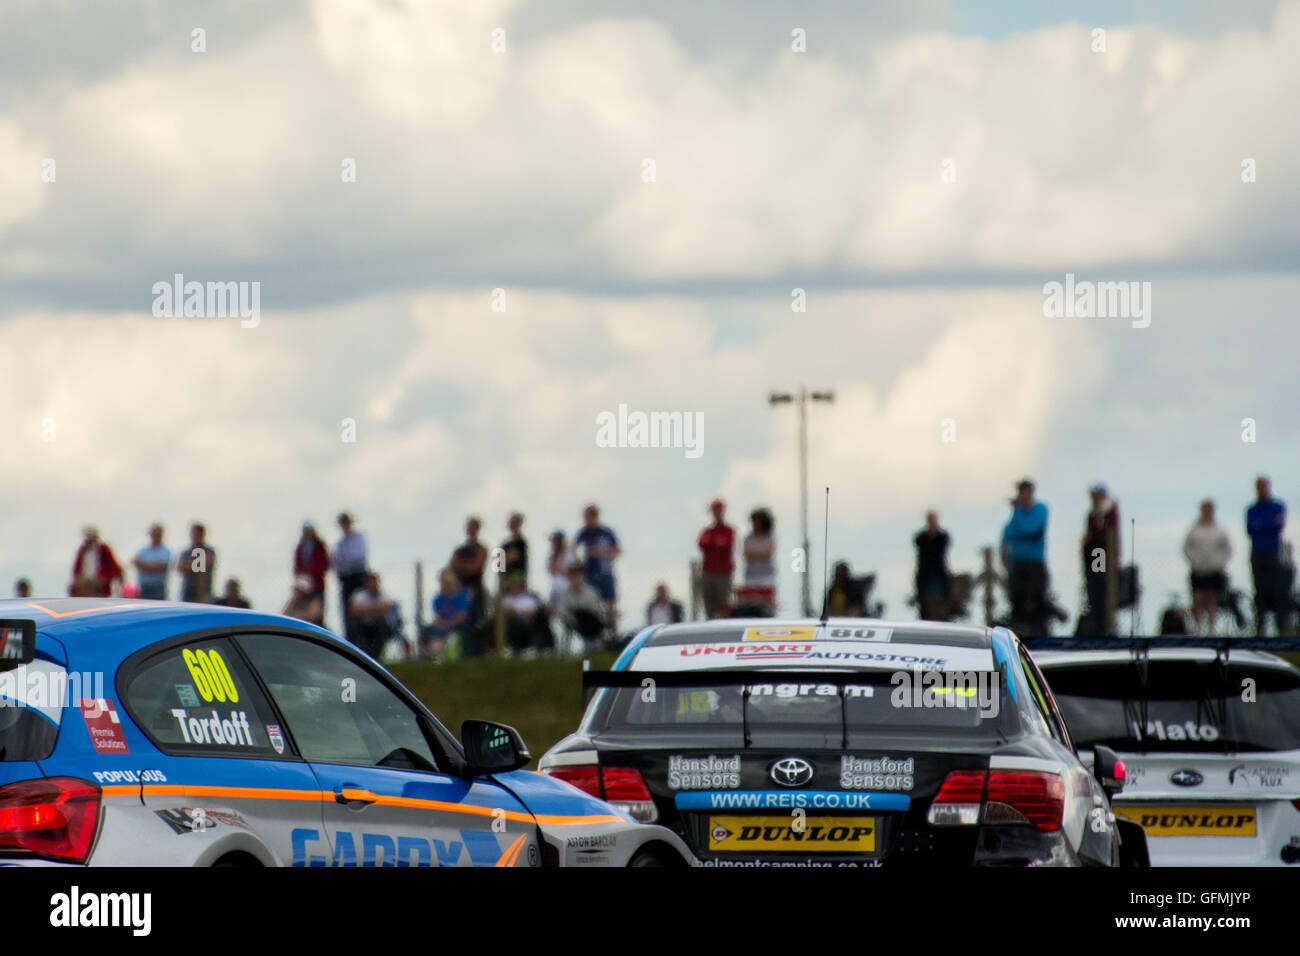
211 676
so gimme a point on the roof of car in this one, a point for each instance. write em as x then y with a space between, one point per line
136 623
813 629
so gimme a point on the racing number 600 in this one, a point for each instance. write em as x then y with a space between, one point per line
211 676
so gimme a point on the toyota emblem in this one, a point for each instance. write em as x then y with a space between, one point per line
791 771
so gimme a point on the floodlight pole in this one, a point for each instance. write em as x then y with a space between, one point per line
801 400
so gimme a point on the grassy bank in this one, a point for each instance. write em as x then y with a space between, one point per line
541 698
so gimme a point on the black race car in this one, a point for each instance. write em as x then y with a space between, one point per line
845 742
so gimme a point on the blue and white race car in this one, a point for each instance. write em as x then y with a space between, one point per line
145 733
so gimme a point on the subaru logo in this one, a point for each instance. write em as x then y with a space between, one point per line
1186 778
791 771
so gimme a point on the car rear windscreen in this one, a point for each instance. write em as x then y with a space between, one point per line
31 705
1181 706
789 707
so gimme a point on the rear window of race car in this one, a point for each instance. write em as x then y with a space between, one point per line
200 699
32 698
1181 706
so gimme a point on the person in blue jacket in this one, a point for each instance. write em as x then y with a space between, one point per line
1024 542
1265 520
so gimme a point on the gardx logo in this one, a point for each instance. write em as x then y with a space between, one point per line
791 772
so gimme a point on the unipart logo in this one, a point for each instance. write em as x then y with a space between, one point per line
791 772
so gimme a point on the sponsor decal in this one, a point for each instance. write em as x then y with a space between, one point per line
277 739
790 771
818 835
803 690
779 634
812 653
792 799
228 731
104 726
839 864
877 773
129 776
186 694
351 848
1188 730
703 773
1192 821
591 841
1259 775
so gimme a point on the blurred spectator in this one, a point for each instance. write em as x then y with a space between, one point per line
22 588
1265 520
516 548
663 609
152 564
371 611
197 566
846 595
581 608
525 618
468 562
305 603
1024 541
233 596
1101 570
350 560
600 546
312 558
758 593
444 638
95 570
1207 550
932 577
717 544
557 565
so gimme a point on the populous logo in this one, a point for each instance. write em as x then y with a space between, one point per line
790 771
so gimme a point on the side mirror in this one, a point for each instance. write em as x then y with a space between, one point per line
1108 769
17 644
492 748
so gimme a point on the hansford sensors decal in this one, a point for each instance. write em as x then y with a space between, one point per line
704 773
877 773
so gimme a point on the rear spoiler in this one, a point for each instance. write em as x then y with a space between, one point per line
738 677
1140 648
1140 645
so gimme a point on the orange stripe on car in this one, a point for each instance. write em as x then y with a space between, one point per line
324 796
512 851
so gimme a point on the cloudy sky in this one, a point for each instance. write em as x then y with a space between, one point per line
646 184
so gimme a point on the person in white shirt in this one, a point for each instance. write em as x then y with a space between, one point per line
1207 550
581 608
350 559
369 610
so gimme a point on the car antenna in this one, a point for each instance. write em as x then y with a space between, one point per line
826 530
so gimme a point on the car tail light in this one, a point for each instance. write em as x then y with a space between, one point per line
54 818
1026 796
624 787
1012 796
958 801
586 778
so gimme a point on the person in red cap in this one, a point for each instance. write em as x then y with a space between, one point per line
717 543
